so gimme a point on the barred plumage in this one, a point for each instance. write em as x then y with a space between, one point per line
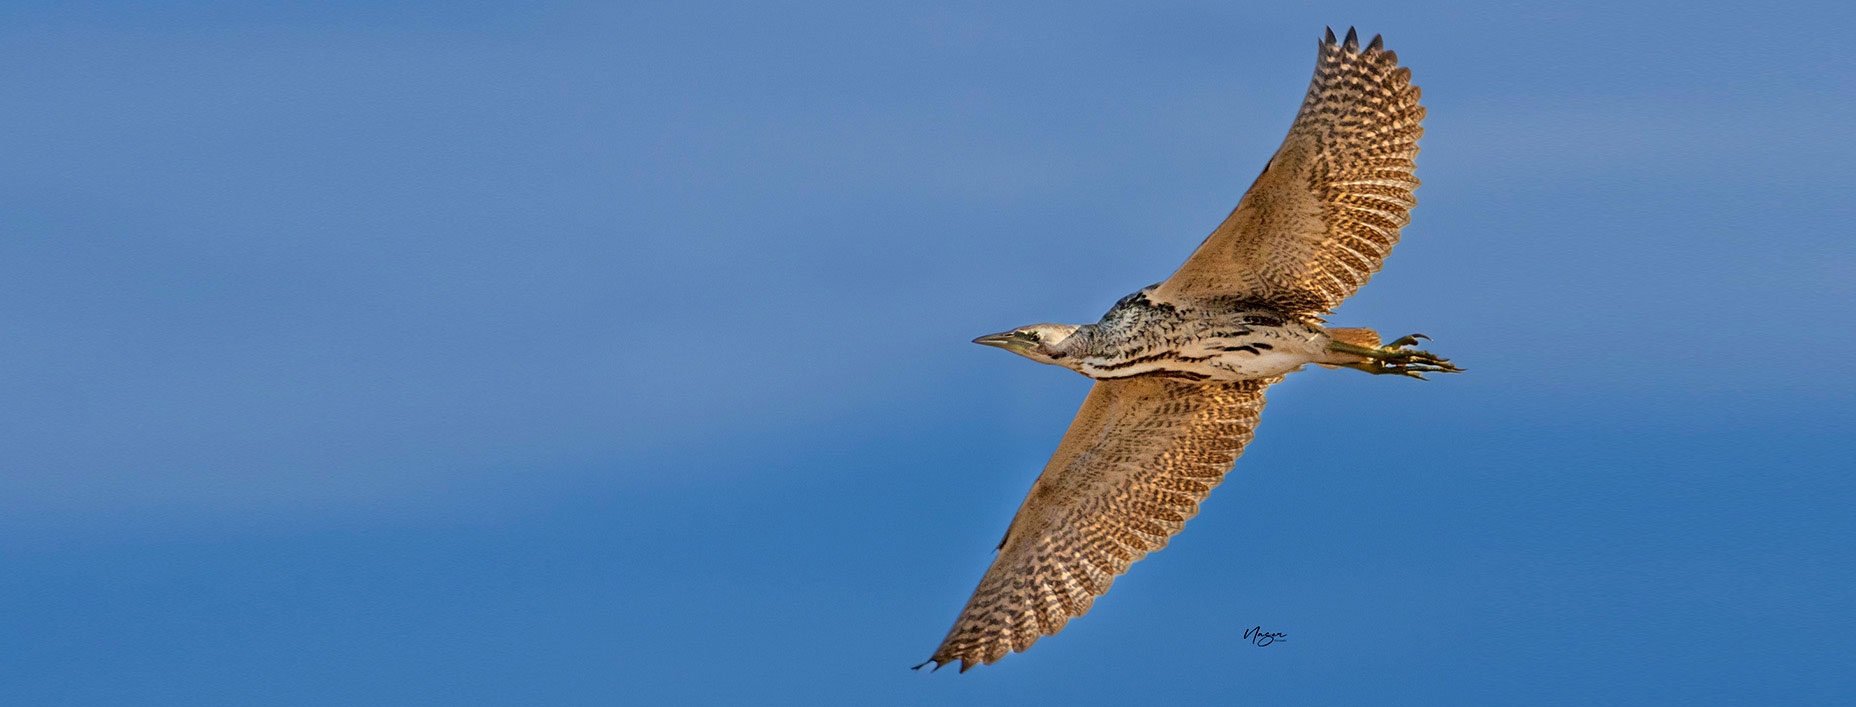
1327 209
1181 366
1102 504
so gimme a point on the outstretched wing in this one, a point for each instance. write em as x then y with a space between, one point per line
1140 456
1325 212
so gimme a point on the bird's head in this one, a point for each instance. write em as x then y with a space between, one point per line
1039 342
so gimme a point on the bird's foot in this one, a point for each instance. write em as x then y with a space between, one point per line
1397 358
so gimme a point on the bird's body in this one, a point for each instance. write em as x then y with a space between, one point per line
1211 339
1180 367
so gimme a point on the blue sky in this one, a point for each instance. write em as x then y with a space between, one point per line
461 353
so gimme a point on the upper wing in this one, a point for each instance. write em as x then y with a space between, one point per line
1326 210
1137 460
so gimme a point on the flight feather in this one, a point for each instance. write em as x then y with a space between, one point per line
1327 209
1133 467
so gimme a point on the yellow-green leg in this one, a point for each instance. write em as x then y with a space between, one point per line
1395 358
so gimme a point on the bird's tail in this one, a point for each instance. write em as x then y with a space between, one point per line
1365 338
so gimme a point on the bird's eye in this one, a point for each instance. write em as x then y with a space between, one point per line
1022 334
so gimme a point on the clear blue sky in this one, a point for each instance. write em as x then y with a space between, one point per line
451 353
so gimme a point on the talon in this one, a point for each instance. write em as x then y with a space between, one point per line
1393 358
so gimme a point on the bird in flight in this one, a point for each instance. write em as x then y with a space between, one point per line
1181 366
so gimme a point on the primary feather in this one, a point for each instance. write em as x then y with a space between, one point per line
1139 457
1181 366
1325 212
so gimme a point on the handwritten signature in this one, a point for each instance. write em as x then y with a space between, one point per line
1260 637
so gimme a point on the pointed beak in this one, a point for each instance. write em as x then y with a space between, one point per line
1003 340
